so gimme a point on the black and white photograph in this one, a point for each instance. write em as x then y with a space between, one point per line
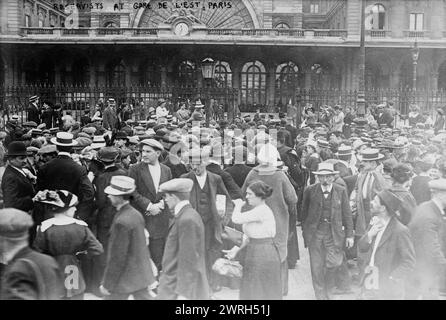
213 151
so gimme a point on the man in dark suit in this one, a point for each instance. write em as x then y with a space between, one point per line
149 174
106 211
420 183
239 170
184 266
63 173
390 254
128 271
428 229
327 210
203 198
17 188
110 117
28 275
385 117
214 166
33 110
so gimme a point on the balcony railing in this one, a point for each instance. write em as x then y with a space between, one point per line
416 34
138 32
75 32
322 33
378 33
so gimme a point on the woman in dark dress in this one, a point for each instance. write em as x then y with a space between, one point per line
65 238
261 278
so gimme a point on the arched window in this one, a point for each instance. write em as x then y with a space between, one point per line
287 75
150 73
222 74
282 25
116 74
186 73
253 85
375 17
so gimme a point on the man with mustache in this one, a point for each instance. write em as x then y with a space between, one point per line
327 210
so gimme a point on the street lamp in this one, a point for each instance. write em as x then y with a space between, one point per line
207 71
415 51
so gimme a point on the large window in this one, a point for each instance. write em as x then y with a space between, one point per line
416 21
253 85
314 7
287 77
375 17
116 74
150 73
28 21
186 73
282 25
222 74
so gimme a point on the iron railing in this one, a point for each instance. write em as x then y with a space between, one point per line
76 99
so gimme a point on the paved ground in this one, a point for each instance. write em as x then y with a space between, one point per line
300 286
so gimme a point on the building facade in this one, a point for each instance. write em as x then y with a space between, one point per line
266 49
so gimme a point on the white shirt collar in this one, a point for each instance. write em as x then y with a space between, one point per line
202 179
62 153
180 205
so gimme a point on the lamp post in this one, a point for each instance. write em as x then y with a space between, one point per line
415 51
207 70
360 100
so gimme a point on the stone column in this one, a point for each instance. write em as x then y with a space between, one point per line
270 84
433 81
267 14
236 70
163 76
354 18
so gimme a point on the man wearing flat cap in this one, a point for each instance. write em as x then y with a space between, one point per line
33 109
110 116
428 229
28 275
105 210
149 174
207 186
184 267
389 252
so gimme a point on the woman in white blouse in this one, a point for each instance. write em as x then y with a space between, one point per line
261 269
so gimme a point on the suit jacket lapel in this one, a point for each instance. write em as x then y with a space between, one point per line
388 232
147 177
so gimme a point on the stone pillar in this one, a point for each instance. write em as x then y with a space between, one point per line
307 75
270 84
395 79
433 81
354 18
236 70
298 17
163 76
57 73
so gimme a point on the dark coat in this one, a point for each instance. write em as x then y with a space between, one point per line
33 113
18 191
145 194
110 119
128 260
428 230
439 123
63 173
234 190
420 189
239 172
407 208
385 118
22 281
184 268
341 215
394 257
217 187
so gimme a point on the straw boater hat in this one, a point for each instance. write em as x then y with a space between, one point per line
98 142
64 139
198 104
371 155
33 98
344 151
120 185
325 168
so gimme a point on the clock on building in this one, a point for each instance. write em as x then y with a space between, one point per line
181 29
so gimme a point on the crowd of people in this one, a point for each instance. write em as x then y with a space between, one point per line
172 208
